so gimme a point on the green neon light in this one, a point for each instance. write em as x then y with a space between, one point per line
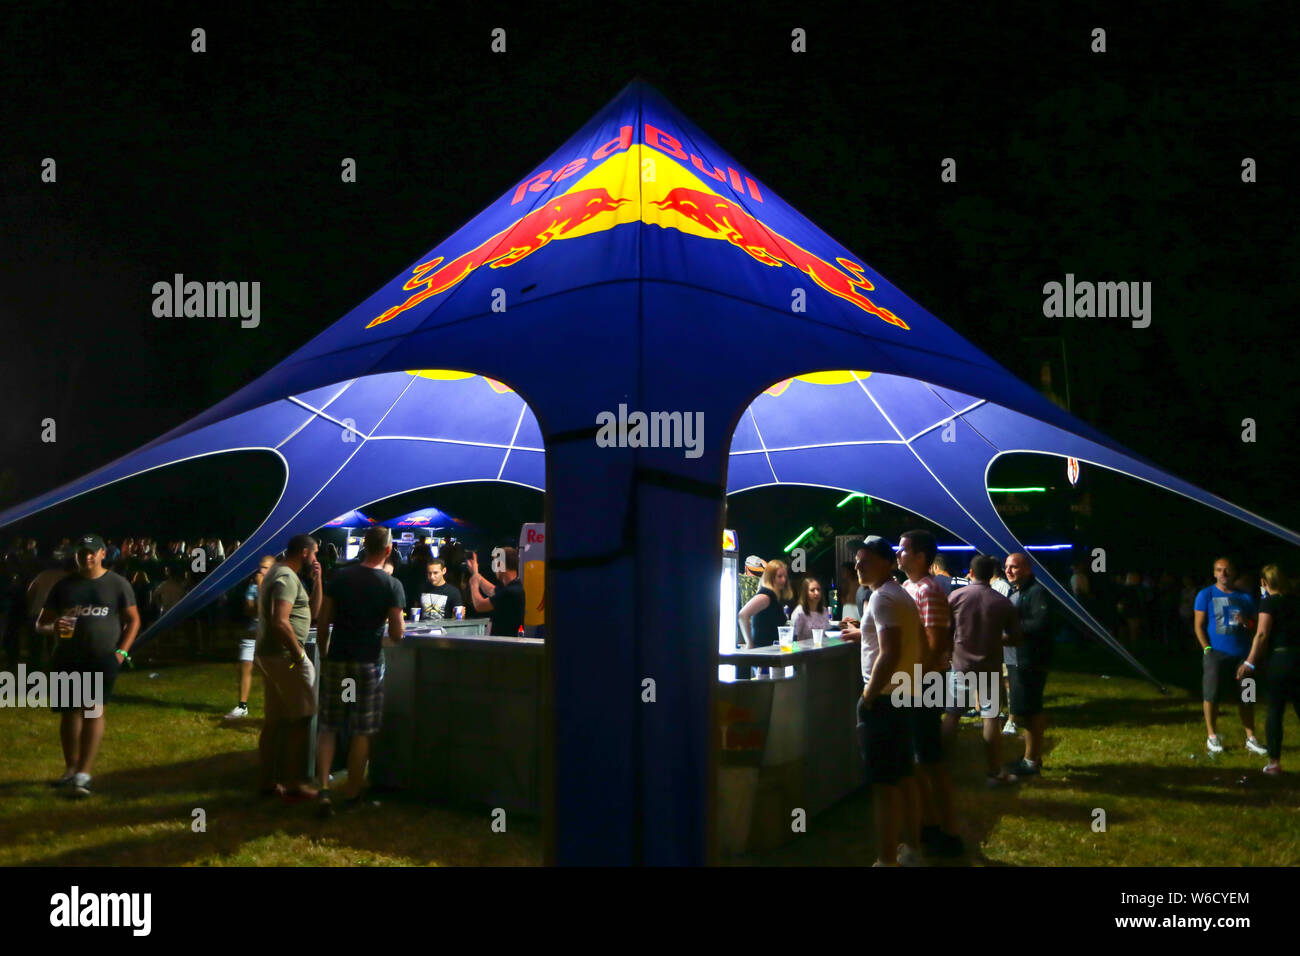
807 531
850 497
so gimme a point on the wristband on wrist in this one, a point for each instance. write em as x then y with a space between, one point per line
1249 664
125 655
1206 649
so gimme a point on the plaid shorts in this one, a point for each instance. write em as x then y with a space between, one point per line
364 706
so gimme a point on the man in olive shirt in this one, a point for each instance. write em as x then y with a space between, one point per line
284 614
93 614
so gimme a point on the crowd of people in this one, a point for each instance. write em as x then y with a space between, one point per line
81 607
983 637
989 636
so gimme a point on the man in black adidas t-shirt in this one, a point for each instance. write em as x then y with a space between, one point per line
93 614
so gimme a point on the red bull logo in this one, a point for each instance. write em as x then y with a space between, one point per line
685 202
555 220
742 230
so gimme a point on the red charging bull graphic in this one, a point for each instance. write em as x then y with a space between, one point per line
744 231
552 221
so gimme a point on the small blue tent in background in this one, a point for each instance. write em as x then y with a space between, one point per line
640 270
432 518
353 519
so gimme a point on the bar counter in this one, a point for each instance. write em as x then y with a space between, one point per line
463 724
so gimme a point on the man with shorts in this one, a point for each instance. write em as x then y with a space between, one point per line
917 551
93 615
285 611
1222 624
1027 677
359 600
983 623
891 646
248 643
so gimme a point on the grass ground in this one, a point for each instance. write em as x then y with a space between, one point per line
1114 743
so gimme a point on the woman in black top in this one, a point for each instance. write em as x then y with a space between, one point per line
1279 629
766 608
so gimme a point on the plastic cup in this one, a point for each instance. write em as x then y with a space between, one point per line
786 634
459 611
818 634
415 614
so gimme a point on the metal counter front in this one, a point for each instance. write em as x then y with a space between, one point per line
462 717
786 742
463 723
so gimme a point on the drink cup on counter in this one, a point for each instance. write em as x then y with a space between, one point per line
415 615
786 634
819 634
459 611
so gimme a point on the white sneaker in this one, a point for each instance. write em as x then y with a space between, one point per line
1009 728
909 857
240 711
80 786
1212 744
1255 747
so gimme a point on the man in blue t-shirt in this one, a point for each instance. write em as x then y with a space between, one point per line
1223 623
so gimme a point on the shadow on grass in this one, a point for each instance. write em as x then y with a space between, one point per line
1204 784
1126 711
160 801
160 702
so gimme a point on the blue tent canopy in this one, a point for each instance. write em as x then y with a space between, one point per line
434 518
353 519
642 268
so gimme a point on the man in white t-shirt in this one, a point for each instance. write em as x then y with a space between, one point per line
891 653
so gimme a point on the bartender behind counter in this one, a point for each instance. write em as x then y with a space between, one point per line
436 594
505 600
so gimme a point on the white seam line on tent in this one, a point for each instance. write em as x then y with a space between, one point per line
944 421
361 444
763 444
321 414
829 444
1080 612
284 461
809 484
1262 520
294 433
523 407
148 631
452 441
347 385
145 471
937 481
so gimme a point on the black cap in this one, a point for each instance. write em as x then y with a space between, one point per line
877 546
90 542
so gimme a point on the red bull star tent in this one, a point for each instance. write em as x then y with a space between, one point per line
642 325
353 519
426 518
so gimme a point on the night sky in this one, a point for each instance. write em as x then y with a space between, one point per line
1121 166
